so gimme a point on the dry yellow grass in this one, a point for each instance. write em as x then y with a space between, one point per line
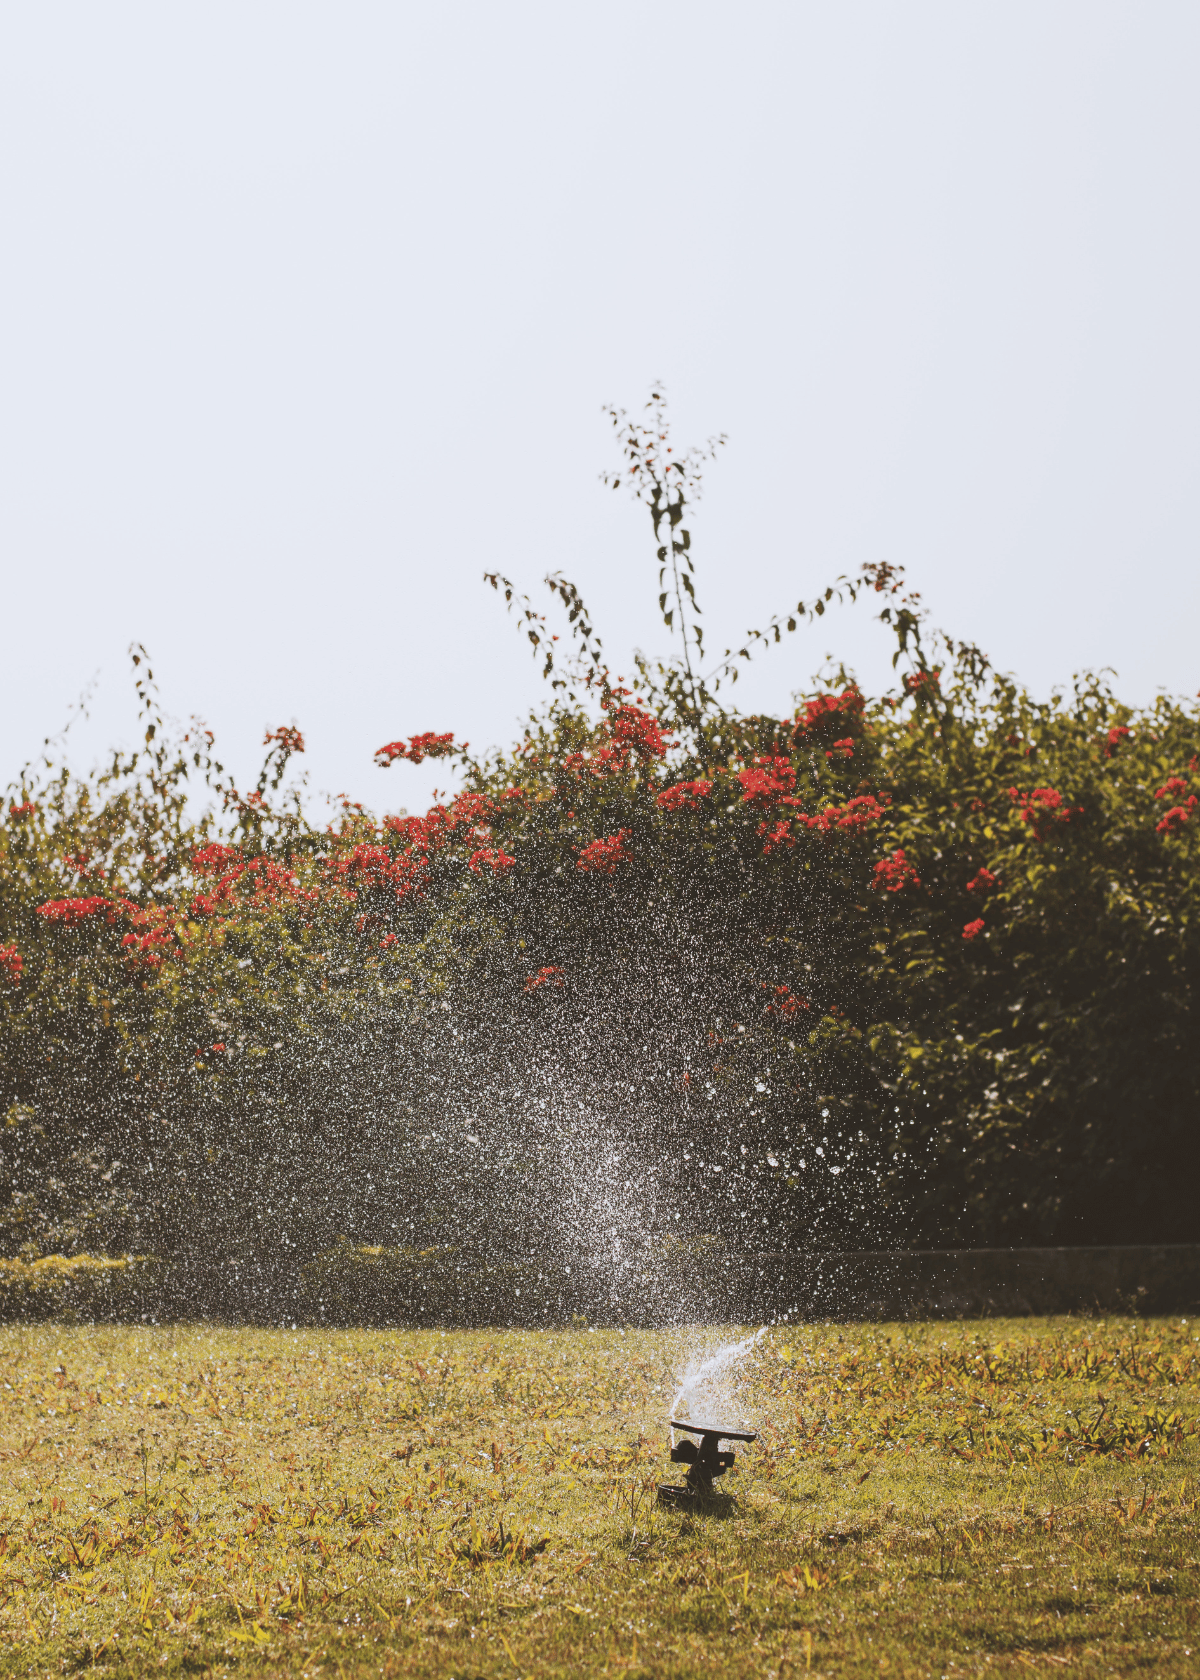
925 1500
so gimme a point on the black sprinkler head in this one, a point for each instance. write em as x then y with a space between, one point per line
705 1462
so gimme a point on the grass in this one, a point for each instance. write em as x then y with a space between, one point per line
940 1499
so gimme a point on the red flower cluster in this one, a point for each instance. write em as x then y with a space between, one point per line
418 748
1176 817
683 795
1042 808
841 749
972 929
1116 736
290 739
72 911
829 711
634 730
923 682
857 813
153 946
984 881
266 882
767 778
893 874
211 858
778 835
499 860
12 962
604 855
1173 788
545 977
785 1001
388 939
25 810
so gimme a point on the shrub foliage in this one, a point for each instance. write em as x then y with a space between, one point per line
918 967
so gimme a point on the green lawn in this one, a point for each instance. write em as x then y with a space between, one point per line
936 1499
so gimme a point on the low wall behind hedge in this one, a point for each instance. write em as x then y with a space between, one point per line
691 1283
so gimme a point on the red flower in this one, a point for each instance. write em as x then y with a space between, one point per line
25 810
984 881
72 911
634 730
1174 787
683 795
1176 817
829 711
973 928
499 860
785 1002
291 739
210 858
841 749
1042 808
604 855
545 977
894 873
780 835
388 939
12 962
855 814
418 748
217 1047
1116 735
923 682
766 778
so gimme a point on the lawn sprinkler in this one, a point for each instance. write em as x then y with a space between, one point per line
704 1462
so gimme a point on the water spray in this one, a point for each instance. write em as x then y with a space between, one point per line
705 1462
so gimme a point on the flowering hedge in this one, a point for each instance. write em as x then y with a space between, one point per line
919 966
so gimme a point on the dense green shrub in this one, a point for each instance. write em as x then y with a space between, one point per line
916 967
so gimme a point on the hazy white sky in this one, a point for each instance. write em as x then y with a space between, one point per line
309 311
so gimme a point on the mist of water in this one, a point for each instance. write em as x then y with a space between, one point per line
705 1374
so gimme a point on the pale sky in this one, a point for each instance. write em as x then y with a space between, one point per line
309 312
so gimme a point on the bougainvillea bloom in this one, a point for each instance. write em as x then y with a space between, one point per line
778 834
417 749
1042 809
785 1001
388 939
637 731
211 858
857 813
72 911
290 739
604 855
12 962
148 948
924 682
498 859
984 881
973 928
1176 817
545 977
829 711
1116 735
841 749
25 810
1173 788
683 795
893 874
766 778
